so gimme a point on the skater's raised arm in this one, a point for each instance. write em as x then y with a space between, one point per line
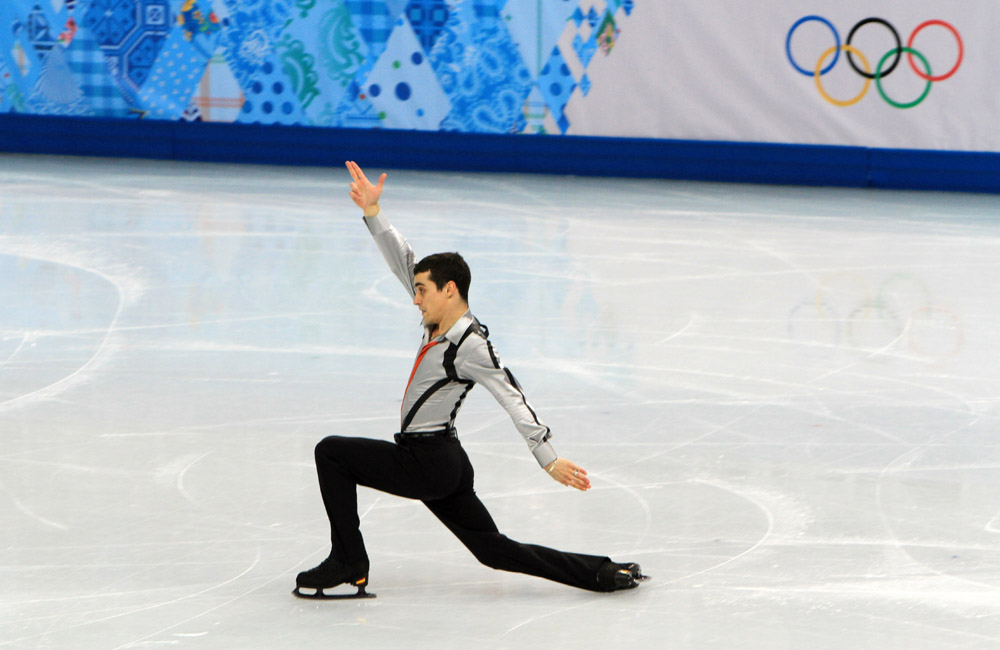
395 249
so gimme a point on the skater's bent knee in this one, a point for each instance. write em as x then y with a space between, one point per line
328 446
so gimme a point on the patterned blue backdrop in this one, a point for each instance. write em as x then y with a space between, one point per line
473 66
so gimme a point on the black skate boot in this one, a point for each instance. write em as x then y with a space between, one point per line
330 573
613 576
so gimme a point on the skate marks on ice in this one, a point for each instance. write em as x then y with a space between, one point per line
785 398
81 274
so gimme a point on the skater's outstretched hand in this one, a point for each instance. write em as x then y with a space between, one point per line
363 193
568 473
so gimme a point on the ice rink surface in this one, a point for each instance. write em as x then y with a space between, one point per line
787 400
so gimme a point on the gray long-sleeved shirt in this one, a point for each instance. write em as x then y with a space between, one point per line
434 395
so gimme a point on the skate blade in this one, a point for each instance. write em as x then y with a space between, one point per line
319 595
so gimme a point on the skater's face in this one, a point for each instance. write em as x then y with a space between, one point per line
433 302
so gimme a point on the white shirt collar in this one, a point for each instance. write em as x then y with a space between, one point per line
454 334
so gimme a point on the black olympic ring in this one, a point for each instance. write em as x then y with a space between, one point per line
895 35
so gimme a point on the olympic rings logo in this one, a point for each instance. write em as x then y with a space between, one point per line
848 312
881 69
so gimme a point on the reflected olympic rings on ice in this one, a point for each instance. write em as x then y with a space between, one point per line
881 70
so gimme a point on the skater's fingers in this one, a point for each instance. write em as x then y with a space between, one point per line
577 477
354 170
569 474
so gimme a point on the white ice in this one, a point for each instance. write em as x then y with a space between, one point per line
787 400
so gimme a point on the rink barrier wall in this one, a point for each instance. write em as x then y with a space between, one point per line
771 163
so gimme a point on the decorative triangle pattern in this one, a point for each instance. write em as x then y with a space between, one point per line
475 66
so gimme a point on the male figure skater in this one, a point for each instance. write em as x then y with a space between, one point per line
427 461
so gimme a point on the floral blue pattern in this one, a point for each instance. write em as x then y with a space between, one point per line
474 66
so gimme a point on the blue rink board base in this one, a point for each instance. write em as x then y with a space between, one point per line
772 163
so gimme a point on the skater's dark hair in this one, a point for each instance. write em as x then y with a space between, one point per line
445 268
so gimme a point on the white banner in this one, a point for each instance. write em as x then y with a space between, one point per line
727 70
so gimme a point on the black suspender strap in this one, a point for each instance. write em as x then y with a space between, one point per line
423 398
451 353
452 376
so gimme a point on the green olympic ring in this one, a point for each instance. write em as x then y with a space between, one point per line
878 77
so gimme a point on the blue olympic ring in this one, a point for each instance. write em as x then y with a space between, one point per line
788 45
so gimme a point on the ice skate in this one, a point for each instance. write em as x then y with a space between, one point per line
613 576
636 572
331 573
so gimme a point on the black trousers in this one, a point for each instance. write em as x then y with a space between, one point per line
436 471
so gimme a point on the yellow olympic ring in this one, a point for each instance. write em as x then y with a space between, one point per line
818 73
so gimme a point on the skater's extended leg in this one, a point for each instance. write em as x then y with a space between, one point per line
466 516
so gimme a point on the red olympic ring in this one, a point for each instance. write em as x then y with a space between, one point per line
961 50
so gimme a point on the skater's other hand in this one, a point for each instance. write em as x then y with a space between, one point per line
568 473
